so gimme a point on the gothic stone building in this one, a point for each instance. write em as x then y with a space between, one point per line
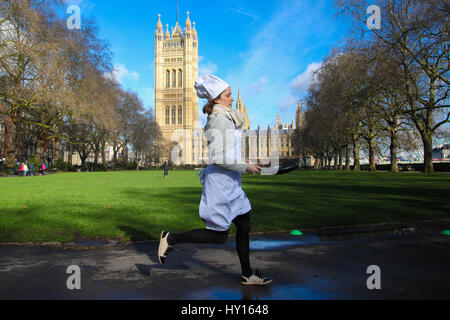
176 103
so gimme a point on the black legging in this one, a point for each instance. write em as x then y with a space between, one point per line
243 226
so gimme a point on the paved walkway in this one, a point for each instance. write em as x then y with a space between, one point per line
414 262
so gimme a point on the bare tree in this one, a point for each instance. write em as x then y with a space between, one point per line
418 33
127 113
146 134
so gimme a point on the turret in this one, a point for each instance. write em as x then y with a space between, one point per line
167 34
279 124
159 30
187 24
194 32
239 101
159 25
176 32
299 116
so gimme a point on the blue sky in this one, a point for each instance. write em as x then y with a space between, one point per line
268 49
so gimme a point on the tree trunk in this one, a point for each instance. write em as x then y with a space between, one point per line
372 166
356 165
69 159
427 139
336 160
103 154
18 137
115 151
393 150
44 151
53 150
317 163
96 152
7 137
347 157
83 157
126 155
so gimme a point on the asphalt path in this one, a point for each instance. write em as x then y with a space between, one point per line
388 261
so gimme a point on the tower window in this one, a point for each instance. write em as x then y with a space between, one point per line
174 114
174 79
180 115
167 115
180 78
167 79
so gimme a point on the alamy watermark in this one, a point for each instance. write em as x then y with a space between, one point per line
374 281
74 281
374 20
73 22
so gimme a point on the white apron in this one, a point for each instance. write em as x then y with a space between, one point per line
223 198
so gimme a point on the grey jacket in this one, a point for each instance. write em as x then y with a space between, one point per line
219 131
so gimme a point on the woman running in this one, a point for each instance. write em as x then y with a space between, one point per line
223 201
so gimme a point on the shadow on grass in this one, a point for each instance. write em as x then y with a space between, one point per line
277 204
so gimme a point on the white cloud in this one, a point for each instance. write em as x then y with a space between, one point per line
245 13
258 86
120 73
282 46
302 81
288 102
207 68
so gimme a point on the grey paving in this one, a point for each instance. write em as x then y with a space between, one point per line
414 262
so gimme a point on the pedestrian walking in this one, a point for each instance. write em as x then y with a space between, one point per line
166 169
21 169
31 169
25 169
223 201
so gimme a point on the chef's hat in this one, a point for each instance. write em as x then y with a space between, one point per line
209 86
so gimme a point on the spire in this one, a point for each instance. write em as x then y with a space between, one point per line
279 119
299 106
177 11
167 34
239 101
176 32
188 23
159 24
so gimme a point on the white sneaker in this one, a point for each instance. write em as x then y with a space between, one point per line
256 279
164 247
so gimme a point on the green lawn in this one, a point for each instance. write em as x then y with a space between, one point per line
138 205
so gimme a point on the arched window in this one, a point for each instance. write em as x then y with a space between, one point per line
180 115
174 79
167 79
174 114
167 115
180 78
